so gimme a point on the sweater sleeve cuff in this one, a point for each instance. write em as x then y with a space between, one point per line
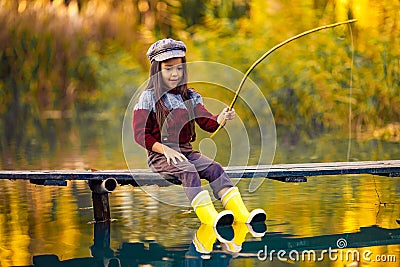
214 118
150 141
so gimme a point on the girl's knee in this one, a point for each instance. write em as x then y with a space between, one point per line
214 170
185 166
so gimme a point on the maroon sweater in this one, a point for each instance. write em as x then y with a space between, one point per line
146 129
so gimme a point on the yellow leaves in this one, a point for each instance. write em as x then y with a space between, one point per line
22 6
390 132
81 53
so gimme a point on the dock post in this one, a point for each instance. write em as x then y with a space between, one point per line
100 249
101 207
100 190
101 252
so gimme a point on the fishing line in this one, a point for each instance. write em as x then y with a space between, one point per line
350 118
380 202
266 54
351 92
377 193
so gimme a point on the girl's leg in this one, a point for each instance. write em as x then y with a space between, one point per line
199 199
211 171
184 171
224 189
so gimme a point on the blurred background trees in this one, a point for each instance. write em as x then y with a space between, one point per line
82 60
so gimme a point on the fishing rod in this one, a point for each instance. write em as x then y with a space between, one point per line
266 54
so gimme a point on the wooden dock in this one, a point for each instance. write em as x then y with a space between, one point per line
280 172
105 181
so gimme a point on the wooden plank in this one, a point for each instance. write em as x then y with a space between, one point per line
281 172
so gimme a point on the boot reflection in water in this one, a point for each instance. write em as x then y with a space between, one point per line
230 237
207 235
240 231
199 252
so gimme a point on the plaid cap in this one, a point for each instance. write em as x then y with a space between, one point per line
165 49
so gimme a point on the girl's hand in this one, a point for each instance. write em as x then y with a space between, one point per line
168 152
226 114
173 155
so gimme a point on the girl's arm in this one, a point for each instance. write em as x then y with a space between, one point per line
145 128
209 122
143 125
169 153
205 119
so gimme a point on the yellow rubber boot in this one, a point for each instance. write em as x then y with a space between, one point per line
205 211
232 200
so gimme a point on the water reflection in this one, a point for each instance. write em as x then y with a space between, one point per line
38 220
72 144
223 247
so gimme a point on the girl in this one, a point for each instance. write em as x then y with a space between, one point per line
163 123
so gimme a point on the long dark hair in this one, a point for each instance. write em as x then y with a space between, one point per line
157 85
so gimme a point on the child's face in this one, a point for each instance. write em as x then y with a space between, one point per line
172 72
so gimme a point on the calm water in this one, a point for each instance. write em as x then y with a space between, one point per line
37 221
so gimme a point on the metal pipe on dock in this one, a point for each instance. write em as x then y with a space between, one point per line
103 186
101 205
